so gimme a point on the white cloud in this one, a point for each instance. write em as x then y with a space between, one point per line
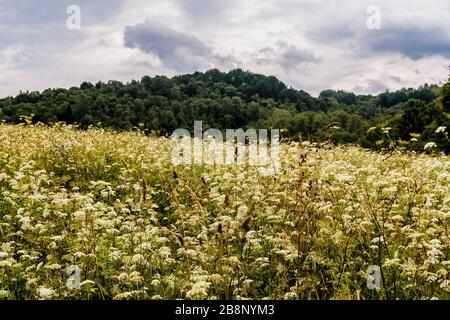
310 44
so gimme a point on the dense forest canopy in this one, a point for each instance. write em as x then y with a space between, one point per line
407 118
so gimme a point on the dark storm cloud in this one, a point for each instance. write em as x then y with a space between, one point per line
413 41
330 33
373 86
288 56
204 9
177 50
292 57
414 35
162 40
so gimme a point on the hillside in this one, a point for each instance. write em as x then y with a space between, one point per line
242 99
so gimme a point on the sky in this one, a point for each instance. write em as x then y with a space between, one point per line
313 45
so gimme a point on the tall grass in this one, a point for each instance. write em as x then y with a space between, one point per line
139 227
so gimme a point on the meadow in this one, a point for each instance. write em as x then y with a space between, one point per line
139 227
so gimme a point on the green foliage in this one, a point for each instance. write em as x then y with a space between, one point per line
239 99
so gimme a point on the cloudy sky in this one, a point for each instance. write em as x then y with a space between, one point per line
309 44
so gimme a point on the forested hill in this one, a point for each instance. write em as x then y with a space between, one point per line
242 99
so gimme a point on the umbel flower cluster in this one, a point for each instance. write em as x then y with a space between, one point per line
139 227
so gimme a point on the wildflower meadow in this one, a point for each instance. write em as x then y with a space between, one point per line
97 214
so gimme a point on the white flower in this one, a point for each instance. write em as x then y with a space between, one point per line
441 129
123 296
115 255
136 277
241 212
46 293
138 259
86 283
344 178
377 239
155 283
392 262
79 254
165 252
199 290
430 145
19 175
123 277
445 285
54 266
5 263
4 294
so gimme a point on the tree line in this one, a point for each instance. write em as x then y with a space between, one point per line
406 118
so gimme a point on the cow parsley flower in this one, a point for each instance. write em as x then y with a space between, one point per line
441 129
199 290
46 293
430 145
